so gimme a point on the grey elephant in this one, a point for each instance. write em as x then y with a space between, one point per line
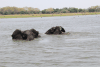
25 35
55 30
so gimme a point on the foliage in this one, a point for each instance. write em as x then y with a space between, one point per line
30 10
80 10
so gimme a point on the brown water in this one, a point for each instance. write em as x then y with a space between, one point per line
80 48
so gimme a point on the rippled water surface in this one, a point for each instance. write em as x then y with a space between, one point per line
80 48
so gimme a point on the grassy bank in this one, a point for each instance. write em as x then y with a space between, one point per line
46 15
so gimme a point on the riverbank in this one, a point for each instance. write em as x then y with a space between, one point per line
47 15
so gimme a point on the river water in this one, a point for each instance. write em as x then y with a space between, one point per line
80 48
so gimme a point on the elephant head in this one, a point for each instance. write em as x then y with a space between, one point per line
55 30
30 34
25 35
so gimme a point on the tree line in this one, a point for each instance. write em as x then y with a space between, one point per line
29 10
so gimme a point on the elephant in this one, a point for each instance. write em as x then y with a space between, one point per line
25 35
55 30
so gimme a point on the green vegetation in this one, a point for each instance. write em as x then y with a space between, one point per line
29 10
46 15
15 12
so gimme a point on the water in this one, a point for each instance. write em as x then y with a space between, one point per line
80 48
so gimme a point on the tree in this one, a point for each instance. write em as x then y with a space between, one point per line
5 13
36 10
91 10
80 10
22 12
44 11
49 10
63 11
1 12
73 10
12 12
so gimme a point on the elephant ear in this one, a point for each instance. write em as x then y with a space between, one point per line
36 33
17 34
51 30
17 31
48 31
